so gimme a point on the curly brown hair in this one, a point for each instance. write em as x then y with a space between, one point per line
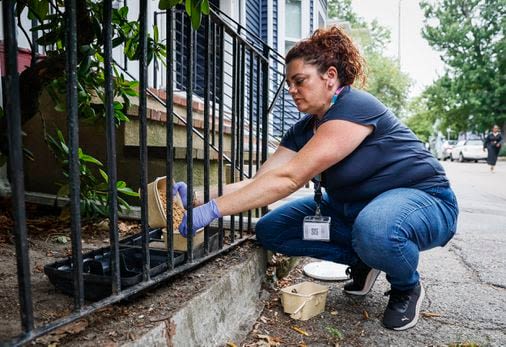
331 47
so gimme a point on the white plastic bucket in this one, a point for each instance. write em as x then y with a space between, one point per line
304 300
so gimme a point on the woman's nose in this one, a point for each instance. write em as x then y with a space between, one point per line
292 90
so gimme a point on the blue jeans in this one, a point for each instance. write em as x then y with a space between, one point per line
386 233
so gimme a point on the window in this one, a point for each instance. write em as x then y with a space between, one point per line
293 23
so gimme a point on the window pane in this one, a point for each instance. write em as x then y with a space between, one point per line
293 19
289 45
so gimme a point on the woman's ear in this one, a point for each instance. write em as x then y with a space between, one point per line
331 76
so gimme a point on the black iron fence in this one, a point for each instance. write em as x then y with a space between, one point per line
246 72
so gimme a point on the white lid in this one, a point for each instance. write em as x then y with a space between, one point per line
326 270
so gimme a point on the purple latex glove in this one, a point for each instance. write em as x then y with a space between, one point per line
182 189
202 216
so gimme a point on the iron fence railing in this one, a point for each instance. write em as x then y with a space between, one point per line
253 94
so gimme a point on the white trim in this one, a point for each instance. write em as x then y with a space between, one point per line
226 6
242 12
305 26
319 10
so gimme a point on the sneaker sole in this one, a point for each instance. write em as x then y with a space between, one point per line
369 282
417 312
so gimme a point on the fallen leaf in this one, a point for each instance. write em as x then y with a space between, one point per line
366 315
300 331
334 313
62 239
55 336
428 314
231 344
103 225
76 327
271 341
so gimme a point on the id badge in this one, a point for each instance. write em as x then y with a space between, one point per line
316 228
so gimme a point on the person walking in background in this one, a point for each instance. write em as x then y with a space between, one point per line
493 143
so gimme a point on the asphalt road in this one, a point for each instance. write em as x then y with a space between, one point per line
465 281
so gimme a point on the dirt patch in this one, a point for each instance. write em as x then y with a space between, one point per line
49 241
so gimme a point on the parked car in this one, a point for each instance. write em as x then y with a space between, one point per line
443 151
468 150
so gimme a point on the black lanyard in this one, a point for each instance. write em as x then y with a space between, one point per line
318 194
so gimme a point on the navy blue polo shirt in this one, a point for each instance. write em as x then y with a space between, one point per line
390 157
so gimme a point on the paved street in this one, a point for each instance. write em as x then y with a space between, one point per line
466 281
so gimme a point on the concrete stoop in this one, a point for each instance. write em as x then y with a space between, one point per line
225 312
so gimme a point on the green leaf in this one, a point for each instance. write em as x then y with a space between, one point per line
84 67
123 11
123 205
101 187
89 159
128 191
164 5
120 184
205 7
44 26
38 9
104 175
120 116
130 92
117 41
133 84
117 105
50 38
155 33
196 16
60 107
188 7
